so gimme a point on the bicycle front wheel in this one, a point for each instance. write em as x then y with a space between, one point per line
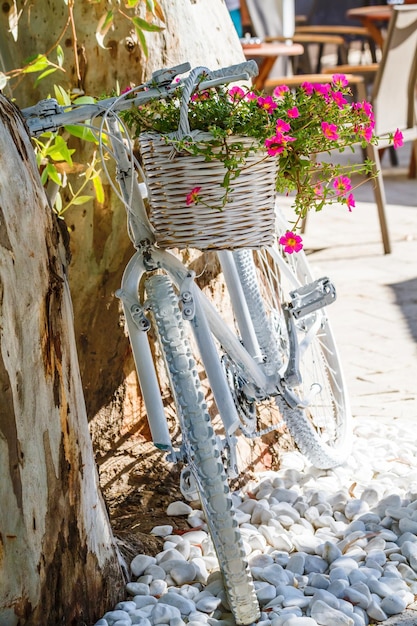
201 449
320 424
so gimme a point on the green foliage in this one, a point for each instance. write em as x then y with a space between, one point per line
53 155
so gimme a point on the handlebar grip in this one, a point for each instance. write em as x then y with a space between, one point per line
247 67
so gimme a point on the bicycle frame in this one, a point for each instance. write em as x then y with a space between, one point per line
204 319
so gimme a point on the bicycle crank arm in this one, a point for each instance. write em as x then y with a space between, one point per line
311 297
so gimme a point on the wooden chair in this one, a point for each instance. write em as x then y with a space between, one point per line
392 94
324 18
274 20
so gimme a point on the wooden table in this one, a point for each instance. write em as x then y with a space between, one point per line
268 53
369 16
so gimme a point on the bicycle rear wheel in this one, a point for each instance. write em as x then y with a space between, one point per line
321 423
201 449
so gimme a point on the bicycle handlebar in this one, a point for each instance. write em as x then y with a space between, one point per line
48 115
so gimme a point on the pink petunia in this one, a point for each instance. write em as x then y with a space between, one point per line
192 197
267 103
342 184
293 112
291 242
398 139
350 201
329 131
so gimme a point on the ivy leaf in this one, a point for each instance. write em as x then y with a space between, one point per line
103 27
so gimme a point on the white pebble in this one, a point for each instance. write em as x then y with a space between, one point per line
179 508
140 563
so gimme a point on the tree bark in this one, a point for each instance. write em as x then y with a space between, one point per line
58 561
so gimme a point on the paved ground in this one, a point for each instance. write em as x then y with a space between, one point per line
375 315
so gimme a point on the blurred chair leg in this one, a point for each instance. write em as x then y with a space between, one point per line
379 191
412 170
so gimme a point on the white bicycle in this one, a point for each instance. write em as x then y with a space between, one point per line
277 362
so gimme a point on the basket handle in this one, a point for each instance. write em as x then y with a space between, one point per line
189 87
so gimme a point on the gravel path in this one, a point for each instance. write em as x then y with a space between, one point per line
329 548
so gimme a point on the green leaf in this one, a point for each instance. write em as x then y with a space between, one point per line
142 41
80 200
85 100
98 188
59 151
58 203
62 96
43 75
82 132
39 64
141 24
60 55
51 172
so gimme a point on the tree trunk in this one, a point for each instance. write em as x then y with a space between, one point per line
58 562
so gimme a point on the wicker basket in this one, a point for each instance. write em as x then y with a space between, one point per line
248 218
246 221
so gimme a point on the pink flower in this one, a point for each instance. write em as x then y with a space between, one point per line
364 133
342 184
277 144
291 242
350 201
293 113
318 190
398 139
340 80
192 197
251 95
267 103
337 96
280 90
365 108
282 126
308 87
126 90
329 131
236 94
323 89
